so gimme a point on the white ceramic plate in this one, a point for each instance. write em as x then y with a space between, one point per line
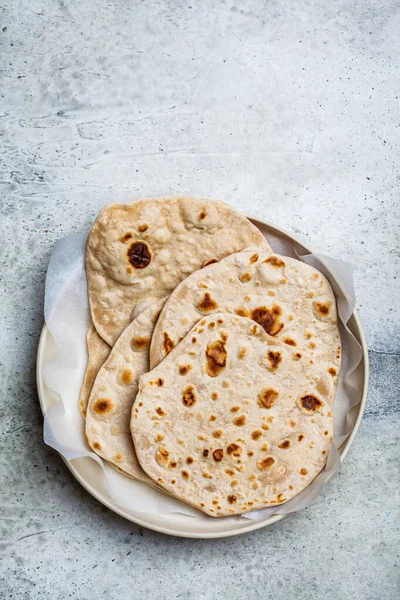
90 476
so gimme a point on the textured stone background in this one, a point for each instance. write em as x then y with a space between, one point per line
289 111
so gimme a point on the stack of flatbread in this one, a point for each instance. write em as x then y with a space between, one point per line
213 362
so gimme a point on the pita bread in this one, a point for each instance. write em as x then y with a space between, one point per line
290 299
230 421
114 391
137 253
98 351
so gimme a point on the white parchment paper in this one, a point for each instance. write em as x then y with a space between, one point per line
68 318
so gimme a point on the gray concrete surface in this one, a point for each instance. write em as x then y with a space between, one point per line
287 110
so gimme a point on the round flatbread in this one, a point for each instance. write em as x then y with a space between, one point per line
114 391
230 421
98 351
137 253
292 301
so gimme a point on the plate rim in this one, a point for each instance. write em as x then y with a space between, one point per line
141 521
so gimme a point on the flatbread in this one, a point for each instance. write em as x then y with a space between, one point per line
98 351
291 300
230 421
137 253
114 391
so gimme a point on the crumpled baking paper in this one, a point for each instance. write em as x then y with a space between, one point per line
67 317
